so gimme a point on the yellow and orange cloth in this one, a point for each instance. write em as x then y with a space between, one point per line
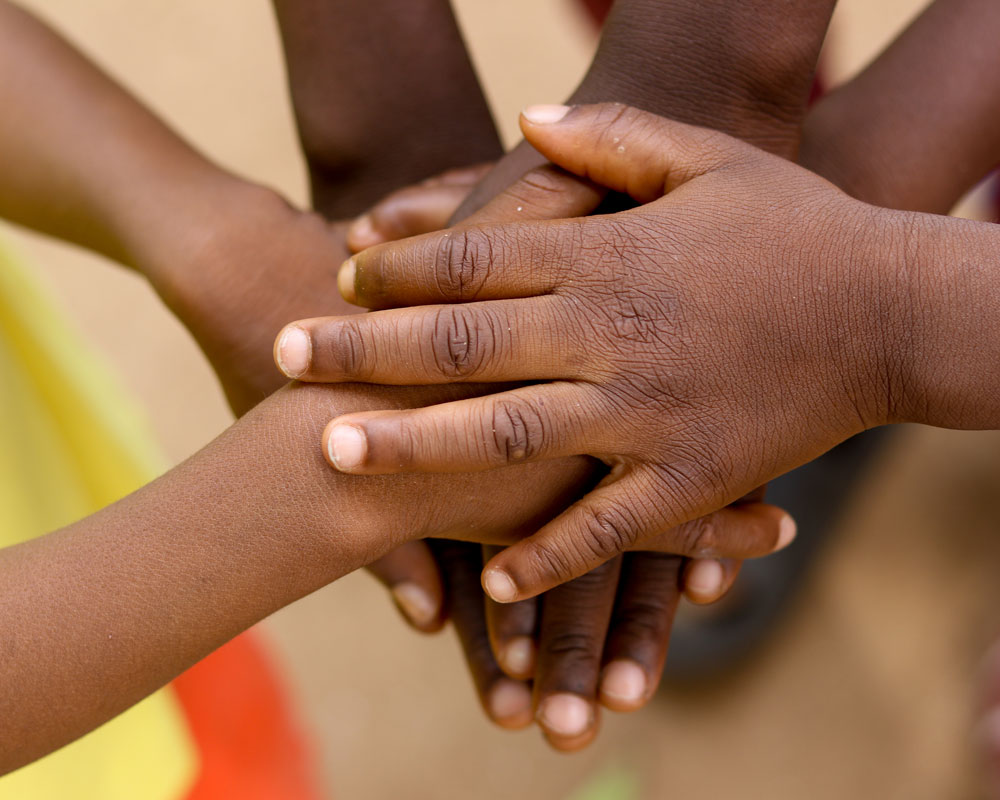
71 442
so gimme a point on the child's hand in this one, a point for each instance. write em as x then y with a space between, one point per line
686 420
248 262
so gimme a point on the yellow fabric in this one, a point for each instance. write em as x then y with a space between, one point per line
71 443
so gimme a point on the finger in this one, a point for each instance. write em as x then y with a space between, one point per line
708 580
515 259
636 649
512 427
546 192
574 623
507 702
625 149
511 629
504 340
615 517
411 574
425 207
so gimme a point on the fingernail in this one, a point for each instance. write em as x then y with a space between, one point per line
509 699
565 714
499 586
786 531
518 656
362 233
416 603
705 578
345 280
624 681
544 114
347 447
294 351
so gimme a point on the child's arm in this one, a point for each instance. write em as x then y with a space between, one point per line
921 125
384 94
101 613
742 68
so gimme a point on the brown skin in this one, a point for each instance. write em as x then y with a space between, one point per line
742 68
256 519
102 613
875 137
319 55
357 72
697 340
701 76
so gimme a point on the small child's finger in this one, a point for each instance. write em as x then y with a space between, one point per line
512 630
413 210
708 580
506 701
411 574
636 647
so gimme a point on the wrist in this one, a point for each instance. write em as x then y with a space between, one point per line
948 374
750 83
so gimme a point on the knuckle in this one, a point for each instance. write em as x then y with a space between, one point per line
548 561
605 533
644 620
700 537
459 342
518 431
462 262
348 352
574 645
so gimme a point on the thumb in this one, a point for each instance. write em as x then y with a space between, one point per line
625 149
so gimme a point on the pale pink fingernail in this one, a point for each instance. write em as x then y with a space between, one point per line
544 114
704 578
565 714
624 681
347 447
499 586
786 531
518 656
416 603
293 351
362 232
508 700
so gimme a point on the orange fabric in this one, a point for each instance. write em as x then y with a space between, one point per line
248 744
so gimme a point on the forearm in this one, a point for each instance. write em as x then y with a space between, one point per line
921 125
102 613
83 160
743 68
384 96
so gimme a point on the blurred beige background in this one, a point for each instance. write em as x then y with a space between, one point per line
867 690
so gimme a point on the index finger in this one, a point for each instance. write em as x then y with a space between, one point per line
510 260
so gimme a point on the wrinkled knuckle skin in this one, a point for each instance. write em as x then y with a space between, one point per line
518 432
605 533
459 341
462 263
348 351
573 648
644 622
700 537
549 563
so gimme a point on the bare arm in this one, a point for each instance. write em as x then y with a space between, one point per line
742 68
102 613
384 95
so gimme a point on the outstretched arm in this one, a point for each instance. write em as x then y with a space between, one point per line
105 611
